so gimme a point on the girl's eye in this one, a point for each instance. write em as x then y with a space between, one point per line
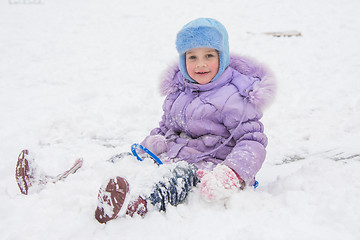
209 55
191 57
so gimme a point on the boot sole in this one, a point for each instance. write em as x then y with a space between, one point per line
22 172
111 199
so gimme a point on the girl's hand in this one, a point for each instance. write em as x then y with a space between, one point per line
155 143
219 183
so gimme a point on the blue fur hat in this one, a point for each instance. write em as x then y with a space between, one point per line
203 32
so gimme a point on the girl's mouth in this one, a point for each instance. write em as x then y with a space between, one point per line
201 73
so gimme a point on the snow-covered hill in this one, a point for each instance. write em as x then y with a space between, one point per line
80 78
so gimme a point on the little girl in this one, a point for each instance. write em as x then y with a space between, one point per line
211 123
210 129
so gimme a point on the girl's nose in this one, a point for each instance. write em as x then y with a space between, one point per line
201 64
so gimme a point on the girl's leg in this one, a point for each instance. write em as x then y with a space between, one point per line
172 190
31 178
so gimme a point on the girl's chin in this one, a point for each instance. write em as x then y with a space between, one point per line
202 80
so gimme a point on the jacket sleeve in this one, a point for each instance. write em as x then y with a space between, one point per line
241 119
156 140
168 102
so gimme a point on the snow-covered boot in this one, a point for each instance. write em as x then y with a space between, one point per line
173 190
28 174
139 206
111 198
31 178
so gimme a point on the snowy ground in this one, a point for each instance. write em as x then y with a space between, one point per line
80 78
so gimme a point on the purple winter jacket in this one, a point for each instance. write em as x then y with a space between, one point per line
218 122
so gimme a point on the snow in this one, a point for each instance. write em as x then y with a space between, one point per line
80 79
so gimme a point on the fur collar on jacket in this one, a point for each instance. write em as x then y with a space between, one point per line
263 91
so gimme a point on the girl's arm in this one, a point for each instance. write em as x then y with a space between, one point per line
155 142
249 153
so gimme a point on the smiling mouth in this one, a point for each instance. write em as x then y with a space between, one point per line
202 73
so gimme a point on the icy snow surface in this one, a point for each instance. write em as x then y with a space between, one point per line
80 79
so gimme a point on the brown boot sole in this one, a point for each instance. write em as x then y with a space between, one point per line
111 199
22 172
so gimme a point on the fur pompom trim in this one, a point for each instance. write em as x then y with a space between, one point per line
168 83
263 92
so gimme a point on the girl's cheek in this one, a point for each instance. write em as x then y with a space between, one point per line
215 66
190 67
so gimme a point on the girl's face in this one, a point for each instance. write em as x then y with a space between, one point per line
202 64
